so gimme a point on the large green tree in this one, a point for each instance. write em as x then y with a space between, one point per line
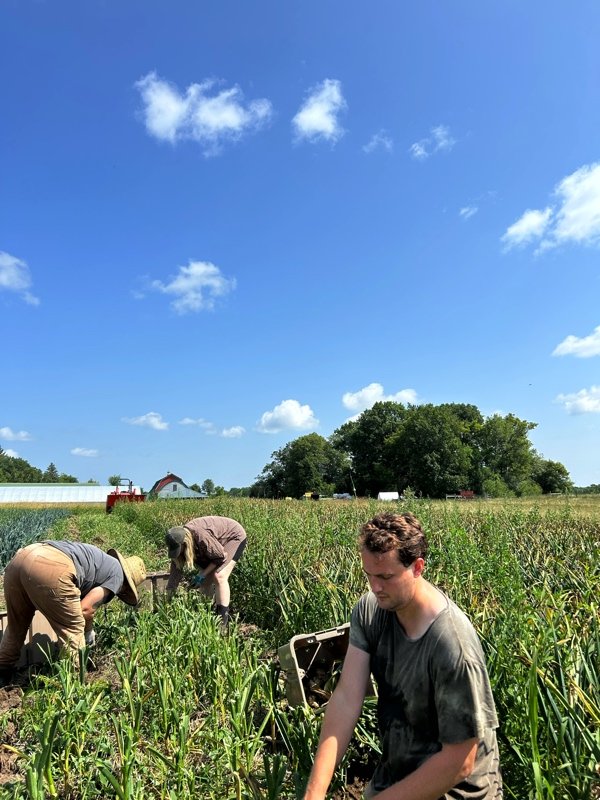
208 486
50 474
552 476
307 464
431 453
505 451
364 441
17 470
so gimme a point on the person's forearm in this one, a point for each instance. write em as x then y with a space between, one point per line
436 776
208 570
338 725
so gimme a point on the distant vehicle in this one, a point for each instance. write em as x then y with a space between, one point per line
342 496
126 492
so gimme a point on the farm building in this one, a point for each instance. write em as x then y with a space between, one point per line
47 493
172 487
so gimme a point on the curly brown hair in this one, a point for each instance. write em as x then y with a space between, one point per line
400 532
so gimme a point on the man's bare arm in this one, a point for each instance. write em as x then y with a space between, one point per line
92 602
436 776
341 715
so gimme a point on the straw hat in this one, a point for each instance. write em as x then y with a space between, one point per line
135 572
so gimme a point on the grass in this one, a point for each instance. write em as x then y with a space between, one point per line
173 709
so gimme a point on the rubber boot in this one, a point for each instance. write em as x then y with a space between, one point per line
223 613
6 676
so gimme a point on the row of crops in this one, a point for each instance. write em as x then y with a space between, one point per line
172 709
21 527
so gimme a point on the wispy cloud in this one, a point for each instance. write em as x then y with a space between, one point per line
10 453
149 420
233 433
373 393
15 436
584 347
379 141
468 211
586 401
195 287
205 425
573 218
15 277
84 451
527 228
318 117
288 415
203 113
439 139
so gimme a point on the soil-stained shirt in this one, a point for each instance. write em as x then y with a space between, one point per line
93 566
432 690
216 540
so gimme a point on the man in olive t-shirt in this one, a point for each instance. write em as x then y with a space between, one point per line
436 712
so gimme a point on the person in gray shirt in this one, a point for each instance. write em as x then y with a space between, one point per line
436 714
67 582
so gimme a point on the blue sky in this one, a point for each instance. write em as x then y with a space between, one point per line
225 225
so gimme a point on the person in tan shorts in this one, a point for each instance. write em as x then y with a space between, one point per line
210 547
67 582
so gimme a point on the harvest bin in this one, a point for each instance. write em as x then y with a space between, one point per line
310 661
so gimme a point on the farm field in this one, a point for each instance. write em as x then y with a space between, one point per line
170 708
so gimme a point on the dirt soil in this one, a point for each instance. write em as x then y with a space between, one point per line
11 697
351 792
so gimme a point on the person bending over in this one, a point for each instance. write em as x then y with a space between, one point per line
210 547
67 582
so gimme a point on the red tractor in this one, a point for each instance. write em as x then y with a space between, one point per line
124 492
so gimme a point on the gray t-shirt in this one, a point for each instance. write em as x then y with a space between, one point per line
93 566
432 690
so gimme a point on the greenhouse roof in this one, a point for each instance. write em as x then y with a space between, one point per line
55 492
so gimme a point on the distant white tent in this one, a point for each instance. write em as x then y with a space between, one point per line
388 496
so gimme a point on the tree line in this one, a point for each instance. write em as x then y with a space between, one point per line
17 470
429 450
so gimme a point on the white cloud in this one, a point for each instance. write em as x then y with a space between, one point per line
15 277
439 139
468 211
202 423
586 401
575 218
289 414
234 432
373 393
379 141
318 116
84 451
207 427
11 453
14 436
578 218
530 226
585 347
202 114
150 420
195 287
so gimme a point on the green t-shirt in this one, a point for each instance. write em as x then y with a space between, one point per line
431 690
